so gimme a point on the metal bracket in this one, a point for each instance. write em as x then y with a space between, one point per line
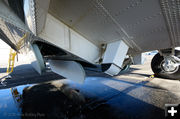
69 69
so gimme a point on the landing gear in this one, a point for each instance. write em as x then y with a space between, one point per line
167 66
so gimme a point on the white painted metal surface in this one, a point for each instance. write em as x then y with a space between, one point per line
69 69
115 53
80 27
36 59
35 14
62 36
113 70
141 24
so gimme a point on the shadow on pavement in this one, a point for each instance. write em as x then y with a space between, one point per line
59 100
3 70
92 100
25 74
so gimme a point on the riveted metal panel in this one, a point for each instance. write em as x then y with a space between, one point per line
139 23
35 14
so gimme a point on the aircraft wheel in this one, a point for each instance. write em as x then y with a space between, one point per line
170 71
125 68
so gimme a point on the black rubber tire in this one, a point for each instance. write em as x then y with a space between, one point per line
125 68
156 68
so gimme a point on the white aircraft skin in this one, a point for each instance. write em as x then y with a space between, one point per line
89 33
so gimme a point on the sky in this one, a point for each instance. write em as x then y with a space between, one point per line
4 52
3 45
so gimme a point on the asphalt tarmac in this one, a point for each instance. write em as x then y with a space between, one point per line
130 95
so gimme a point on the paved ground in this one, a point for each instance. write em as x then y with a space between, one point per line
130 95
